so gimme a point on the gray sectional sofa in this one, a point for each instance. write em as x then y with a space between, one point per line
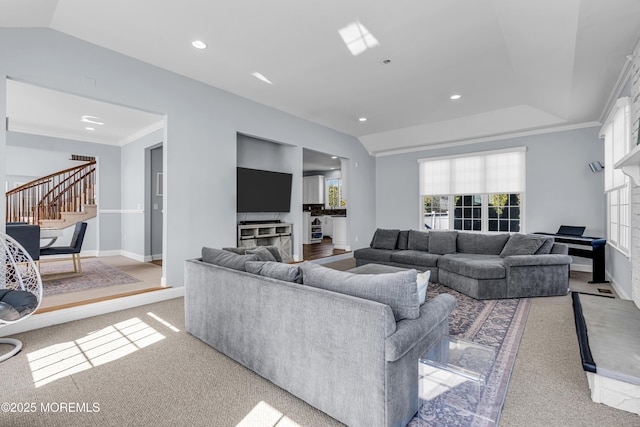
327 340
483 266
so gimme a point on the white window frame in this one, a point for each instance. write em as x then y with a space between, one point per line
616 133
484 212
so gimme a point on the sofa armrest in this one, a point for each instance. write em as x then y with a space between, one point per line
551 259
410 332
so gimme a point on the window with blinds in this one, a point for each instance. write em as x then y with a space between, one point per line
616 135
478 192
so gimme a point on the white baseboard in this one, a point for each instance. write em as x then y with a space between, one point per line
616 287
37 321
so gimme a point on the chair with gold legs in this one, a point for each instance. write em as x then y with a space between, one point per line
73 249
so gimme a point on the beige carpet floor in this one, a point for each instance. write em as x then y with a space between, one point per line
139 367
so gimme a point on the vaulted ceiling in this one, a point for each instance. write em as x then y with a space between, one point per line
518 65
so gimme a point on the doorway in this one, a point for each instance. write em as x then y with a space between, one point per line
323 205
156 194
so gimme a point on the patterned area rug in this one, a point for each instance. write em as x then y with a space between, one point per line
96 274
498 324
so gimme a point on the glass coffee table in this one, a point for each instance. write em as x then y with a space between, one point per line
453 376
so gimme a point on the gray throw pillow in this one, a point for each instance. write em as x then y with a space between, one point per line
442 242
263 253
226 259
522 244
403 240
275 270
546 247
243 249
385 239
397 290
418 241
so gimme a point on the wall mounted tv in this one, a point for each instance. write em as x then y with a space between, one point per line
263 191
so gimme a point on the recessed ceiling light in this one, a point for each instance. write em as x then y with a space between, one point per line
385 61
456 96
199 44
90 128
334 157
362 119
91 119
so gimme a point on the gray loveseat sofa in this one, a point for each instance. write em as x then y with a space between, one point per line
351 357
483 266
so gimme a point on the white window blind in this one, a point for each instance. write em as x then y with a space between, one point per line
480 173
616 143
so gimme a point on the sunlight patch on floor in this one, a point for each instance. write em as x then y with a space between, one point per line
97 348
265 415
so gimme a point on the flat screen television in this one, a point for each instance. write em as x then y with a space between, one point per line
263 191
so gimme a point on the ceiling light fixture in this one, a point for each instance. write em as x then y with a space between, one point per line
362 119
456 96
259 76
91 119
90 128
199 44
334 157
385 61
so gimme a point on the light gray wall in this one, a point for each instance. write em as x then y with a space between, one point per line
135 188
36 156
200 141
561 189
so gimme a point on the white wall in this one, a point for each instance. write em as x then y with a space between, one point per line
200 141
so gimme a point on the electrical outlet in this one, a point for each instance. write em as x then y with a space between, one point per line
356 239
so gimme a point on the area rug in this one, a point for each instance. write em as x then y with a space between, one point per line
498 324
96 274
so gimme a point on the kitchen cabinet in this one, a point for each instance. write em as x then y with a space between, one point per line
313 190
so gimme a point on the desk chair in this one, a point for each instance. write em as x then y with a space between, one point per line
73 249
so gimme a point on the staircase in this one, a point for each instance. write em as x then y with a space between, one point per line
55 201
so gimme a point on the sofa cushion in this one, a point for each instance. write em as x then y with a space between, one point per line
417 258
442 242
397 290
476 266
418 240
243 249
380 255
403 240
546 247
226 258
480 243
385 239
522 244
275 270
263 253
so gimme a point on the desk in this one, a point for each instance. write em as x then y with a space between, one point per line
593 248
51 235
